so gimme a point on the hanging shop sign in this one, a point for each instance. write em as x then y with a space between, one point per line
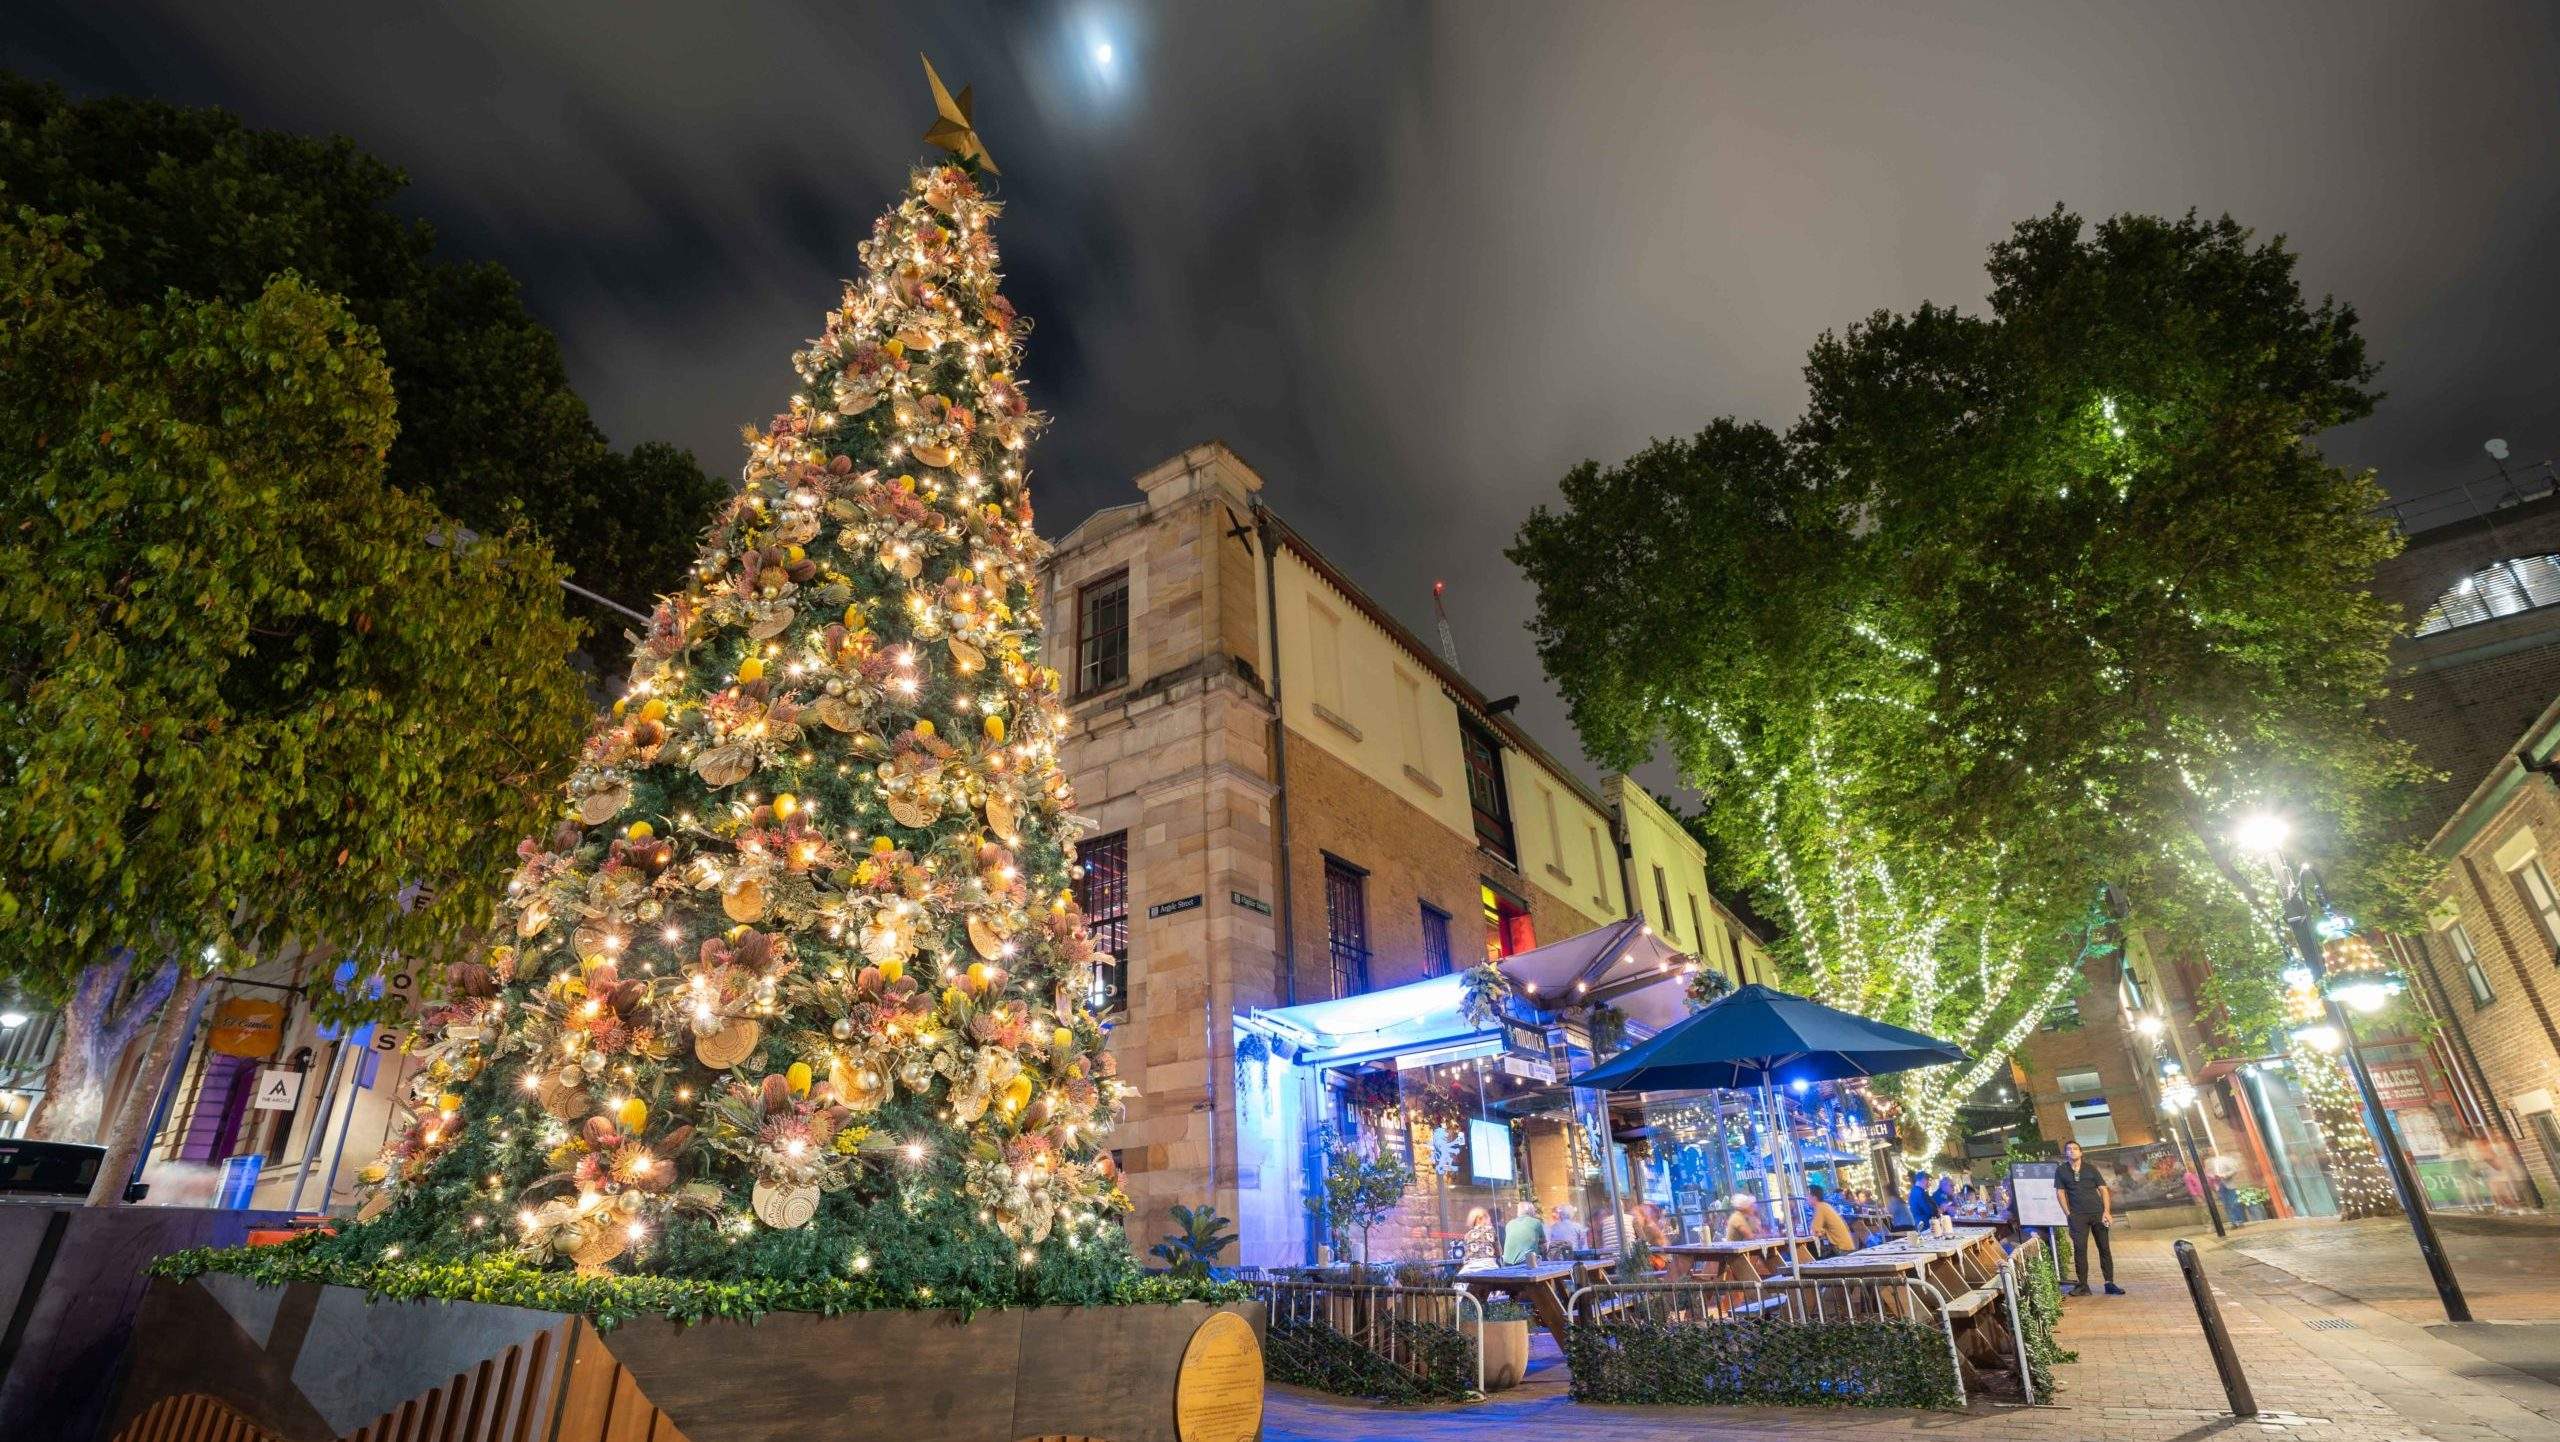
245 1027
279 1089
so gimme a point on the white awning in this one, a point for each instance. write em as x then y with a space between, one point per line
1622 964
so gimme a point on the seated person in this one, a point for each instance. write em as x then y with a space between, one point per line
1565 1235
1746 1223
1828 1228
1525 1237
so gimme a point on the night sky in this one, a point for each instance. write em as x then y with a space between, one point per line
1413 263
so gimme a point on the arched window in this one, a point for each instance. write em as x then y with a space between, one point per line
2501 590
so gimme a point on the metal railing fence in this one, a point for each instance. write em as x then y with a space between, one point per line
1398 1325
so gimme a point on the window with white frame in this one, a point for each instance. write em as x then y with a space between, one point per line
2472 975
2536 885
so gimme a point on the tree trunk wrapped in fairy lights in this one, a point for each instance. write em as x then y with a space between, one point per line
796 986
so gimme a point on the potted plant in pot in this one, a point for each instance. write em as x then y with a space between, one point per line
1192 1253
1505 1341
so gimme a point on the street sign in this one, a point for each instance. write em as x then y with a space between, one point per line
1250 903
1168 908
279 1089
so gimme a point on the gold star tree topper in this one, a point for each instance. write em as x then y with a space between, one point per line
954 131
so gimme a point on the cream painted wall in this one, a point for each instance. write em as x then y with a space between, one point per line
1550 827
1656 838
1350 688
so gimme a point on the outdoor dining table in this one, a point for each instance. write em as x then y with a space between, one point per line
1540 1286
1736 1261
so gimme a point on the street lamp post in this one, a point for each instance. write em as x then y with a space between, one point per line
2175 1097
2302 888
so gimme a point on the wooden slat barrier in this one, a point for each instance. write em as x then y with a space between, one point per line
561 1385
194 1418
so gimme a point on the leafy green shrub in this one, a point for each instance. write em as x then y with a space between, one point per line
1314 1354
1193 1251
1758 1362
503 1280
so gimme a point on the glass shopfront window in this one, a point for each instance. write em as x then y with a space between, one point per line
1480 1143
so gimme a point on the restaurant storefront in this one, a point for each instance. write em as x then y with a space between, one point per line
1476 1106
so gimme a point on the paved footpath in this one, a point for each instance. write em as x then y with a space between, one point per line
2326 1368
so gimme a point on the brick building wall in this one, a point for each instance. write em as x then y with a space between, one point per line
1408 860
2092 1041
2507 1045
2461 696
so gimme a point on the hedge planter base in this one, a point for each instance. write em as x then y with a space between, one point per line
224 1358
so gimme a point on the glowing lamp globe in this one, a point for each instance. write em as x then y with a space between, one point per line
2261 833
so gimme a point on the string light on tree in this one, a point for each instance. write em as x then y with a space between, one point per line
800 955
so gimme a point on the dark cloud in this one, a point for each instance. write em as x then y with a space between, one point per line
1414 263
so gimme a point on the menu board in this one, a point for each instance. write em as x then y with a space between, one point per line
2039 1200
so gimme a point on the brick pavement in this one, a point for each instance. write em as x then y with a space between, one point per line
2509 1266
2143 1375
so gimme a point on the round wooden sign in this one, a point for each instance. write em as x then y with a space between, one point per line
1217 1396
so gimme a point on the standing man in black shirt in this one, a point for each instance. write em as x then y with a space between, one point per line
2091 1204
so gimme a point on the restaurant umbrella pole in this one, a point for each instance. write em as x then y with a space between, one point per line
1605 1149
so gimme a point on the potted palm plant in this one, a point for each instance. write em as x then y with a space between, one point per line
1193 1251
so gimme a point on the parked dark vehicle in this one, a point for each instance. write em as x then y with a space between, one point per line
33 1171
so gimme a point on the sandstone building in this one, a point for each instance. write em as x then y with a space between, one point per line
1292 799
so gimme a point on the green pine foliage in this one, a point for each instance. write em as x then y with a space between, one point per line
793 985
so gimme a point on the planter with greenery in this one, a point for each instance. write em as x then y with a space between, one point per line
1506 1345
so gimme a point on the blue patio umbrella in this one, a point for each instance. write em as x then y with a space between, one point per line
1760 1037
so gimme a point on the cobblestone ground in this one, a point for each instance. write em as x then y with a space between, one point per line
2324 1367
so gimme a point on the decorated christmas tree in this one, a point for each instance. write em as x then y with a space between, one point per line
795 989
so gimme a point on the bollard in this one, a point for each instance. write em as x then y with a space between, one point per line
2235 1383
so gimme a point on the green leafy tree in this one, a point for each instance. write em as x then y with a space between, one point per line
1357 1190
256 696
489 429
2058 591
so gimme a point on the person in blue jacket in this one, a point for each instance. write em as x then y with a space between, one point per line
1924 1207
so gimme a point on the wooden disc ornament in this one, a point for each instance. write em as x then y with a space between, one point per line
983 939
729 1045
603 804
913 814
564 1097
785 1207
1217 1393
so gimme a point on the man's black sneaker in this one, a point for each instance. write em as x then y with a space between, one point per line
2112 1290
2078 1289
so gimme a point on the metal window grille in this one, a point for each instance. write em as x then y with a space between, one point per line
1435 940
1346 925
1102 894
